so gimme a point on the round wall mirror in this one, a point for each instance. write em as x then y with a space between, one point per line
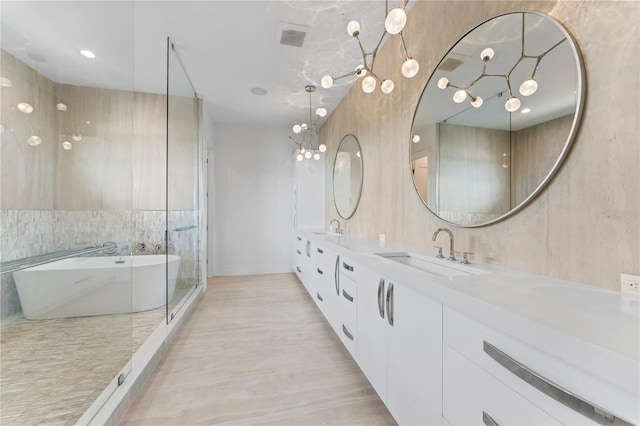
347 176
496 118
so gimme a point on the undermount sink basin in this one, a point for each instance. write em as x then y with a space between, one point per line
441 268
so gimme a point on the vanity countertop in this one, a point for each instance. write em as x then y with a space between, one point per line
567 310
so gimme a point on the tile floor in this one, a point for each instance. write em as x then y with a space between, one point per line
256 350
51 371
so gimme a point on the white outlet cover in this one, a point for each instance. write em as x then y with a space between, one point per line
630 289
630 284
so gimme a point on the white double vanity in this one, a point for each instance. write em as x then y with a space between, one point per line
453 344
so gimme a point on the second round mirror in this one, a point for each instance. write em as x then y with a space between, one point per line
347 176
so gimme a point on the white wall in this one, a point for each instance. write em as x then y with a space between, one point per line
251 199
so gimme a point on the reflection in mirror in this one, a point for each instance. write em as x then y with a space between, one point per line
496 118
347 176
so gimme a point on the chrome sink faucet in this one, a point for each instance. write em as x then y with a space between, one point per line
338 230
451 257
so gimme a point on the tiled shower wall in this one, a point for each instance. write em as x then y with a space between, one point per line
27 233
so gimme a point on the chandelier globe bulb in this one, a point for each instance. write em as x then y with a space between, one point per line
395 21
327 82
353 28
459 96
410 68
443 83
487 54
512 104
387 86
368 84
528 87
477 102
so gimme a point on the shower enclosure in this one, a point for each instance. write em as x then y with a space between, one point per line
100 218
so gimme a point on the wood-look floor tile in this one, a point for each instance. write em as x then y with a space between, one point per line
257 351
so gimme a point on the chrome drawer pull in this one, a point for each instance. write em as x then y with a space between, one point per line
390 304
299 239
298 268
487 420
319 297
336 276
320 271
320 251
346 332
299 252
381 298
545 386
347 296
347 267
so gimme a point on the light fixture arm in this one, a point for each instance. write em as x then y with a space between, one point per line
539 58
306 147
404 47
395 21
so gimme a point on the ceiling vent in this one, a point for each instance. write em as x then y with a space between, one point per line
291 34
453 61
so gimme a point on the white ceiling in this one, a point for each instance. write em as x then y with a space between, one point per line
227 47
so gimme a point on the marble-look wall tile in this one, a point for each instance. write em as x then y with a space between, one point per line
97 173
120 163
26 175
585 226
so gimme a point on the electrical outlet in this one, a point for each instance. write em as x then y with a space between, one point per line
630 289
630 284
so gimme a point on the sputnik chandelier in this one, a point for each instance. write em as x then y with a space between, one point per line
527 88
394 23
307 147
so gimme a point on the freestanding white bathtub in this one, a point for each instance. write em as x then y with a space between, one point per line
87 286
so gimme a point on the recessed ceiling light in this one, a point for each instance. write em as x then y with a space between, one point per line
259 91
88 54
525 111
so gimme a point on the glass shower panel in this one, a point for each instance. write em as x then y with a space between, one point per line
66 217
183 210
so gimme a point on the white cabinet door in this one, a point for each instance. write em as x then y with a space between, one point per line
414 377
372 329
472 396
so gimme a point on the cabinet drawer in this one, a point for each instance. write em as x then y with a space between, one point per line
473 397
538 375
324 261
348 313
347 268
